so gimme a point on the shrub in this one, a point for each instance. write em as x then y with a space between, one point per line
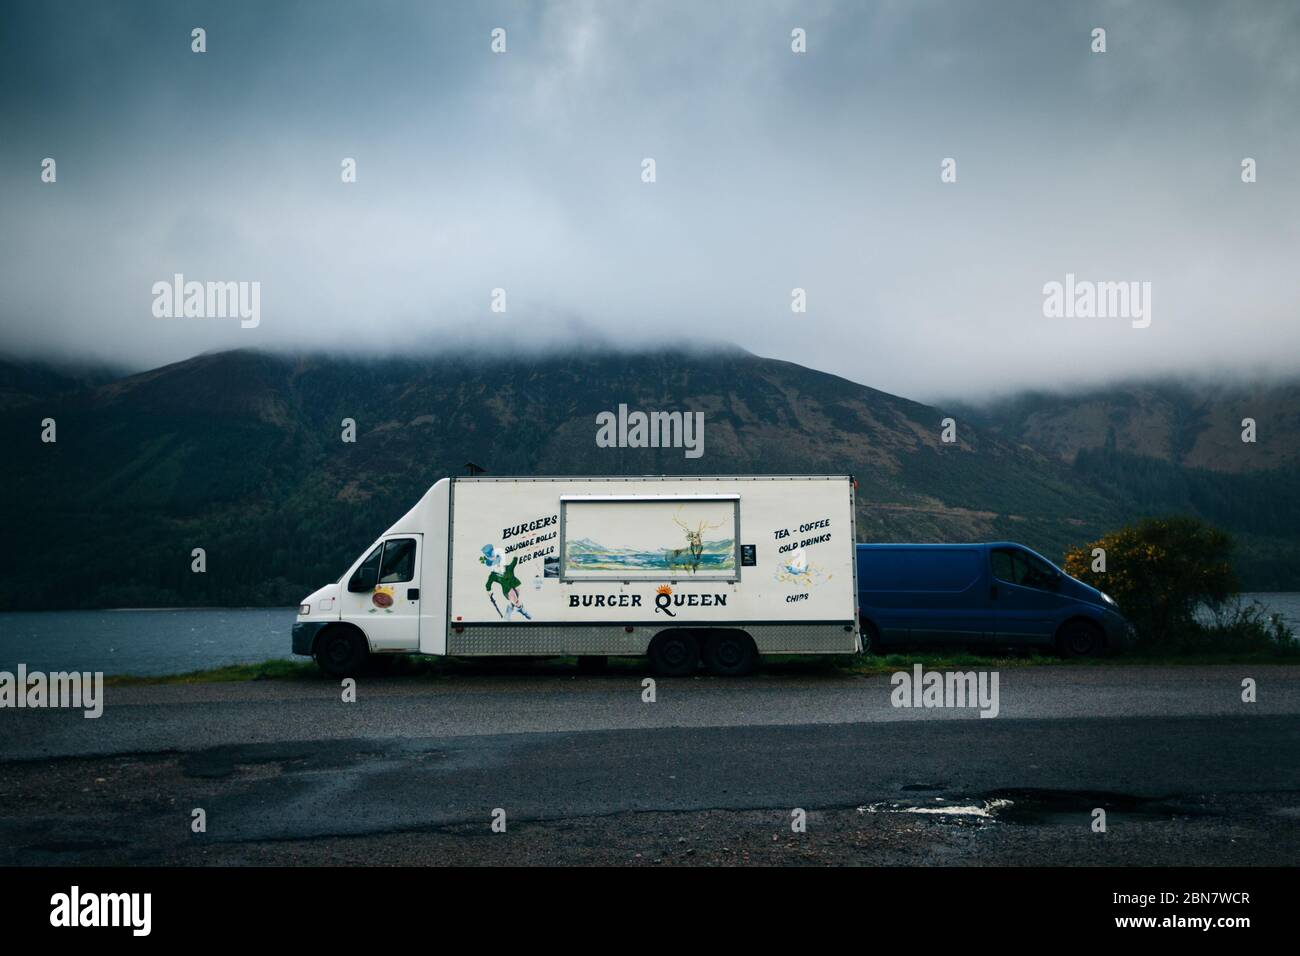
1161 571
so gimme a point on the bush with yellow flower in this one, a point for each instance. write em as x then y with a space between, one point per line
1161 571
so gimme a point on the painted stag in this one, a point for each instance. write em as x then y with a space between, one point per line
689 556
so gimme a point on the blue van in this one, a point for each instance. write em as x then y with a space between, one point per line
990 595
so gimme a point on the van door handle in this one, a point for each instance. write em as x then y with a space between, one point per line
413 594
993 592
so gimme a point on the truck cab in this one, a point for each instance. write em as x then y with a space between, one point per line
389 600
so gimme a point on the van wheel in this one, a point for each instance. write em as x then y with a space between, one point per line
1080 639
730 653
341 652
675 654
870 638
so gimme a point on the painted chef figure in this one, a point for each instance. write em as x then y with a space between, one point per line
507 581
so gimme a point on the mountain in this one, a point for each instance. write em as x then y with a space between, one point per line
1167 447
1197 425
23 383
241 454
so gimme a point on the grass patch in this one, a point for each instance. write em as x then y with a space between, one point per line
776 665
870 664
890 663
278 669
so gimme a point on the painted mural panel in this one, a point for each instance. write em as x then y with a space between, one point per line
639 539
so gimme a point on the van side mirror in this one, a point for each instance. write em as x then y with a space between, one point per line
363 579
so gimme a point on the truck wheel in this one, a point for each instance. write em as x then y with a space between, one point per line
1080 639
730 653
341 652
675 654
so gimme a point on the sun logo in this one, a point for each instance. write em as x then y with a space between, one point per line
663 589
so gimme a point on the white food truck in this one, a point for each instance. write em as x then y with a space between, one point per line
682 569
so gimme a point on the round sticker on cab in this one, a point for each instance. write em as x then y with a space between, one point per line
383 599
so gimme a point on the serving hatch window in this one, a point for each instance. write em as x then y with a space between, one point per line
649 537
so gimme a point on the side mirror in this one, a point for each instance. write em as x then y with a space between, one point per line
363 579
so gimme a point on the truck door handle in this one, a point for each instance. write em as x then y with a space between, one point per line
413 594
993 592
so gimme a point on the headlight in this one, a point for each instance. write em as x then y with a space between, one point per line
305 609
1104 596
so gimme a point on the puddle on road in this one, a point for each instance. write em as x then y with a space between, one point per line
984 810
939 807
1028 807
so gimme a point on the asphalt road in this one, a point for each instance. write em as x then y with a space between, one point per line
712 771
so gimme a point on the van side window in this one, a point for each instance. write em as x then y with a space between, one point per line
1020 567
399 561
1003 566
1038 573
949 570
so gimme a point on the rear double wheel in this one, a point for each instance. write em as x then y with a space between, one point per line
729 653
675 653
725 653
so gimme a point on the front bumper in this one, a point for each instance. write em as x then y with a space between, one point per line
304 636
1120 635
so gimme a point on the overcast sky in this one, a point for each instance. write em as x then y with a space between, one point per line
775 170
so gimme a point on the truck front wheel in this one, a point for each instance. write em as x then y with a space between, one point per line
674 654
341 652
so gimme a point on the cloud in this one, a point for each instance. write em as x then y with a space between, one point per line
775 171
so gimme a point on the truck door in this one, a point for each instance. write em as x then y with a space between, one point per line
382 596
1025 599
